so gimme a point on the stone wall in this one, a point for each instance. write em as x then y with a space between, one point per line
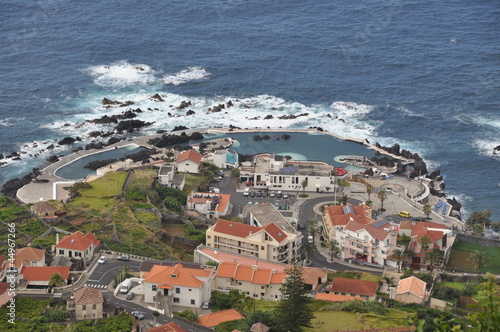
478 240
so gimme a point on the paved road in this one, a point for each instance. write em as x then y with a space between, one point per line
103 275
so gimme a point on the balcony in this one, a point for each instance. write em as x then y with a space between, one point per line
283 249
282 258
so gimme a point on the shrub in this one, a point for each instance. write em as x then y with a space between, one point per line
355 306
447 293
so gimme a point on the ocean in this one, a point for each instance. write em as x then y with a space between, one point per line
423 74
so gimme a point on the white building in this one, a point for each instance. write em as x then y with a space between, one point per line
225 158
187 287
210 205
168 177
270 171
78 246
189 161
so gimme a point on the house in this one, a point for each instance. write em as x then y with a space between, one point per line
78 246
275 172
411 290
169 327
256 277
266 242
212 206
215 318
188 287
26 256
42 209
88 303
353 287
372 244
168 177
226 158
258 283
438 237
337 216
39 276
189 161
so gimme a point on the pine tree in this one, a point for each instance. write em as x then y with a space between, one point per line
294 312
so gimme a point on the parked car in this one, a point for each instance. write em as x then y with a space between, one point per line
404 214
259 193
302 225
138 314
252 194
205 305
130 296
278 194
419 218
101 260
265 194
124 257
285 195
273 194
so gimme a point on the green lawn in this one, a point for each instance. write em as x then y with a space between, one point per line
325 321
461 261
457 285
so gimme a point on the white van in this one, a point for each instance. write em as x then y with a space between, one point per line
310 239
126 285
246 192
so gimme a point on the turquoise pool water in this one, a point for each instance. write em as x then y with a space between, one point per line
315 147
76 170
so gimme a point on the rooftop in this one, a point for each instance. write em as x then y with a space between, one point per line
413 285
78 241
266 214
190 155
215 318
176 275
353 286
263 162
88 295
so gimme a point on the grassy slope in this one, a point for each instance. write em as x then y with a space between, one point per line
460 257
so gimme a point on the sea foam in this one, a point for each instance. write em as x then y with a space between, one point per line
187 75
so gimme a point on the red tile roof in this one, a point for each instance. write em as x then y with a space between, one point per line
78 241
353 286
412 285
176 275
3 287
27 254
215 318
42 207
244 230
169 327
339 218
190 155
88 295
253 274
336 298
223 256
43 273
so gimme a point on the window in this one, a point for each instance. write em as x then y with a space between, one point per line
209 237
261 247
153 288
177 300
262 287
61 251
239 283
84 307
192 301
177 290
94 306
190 289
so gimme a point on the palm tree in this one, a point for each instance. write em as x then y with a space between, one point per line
304 185
382 196
308 247
433 256
369 191
389 281
427 210
408 255
424 242
398 255
480 259
343 199
333 247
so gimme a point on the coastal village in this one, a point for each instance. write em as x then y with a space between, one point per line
191 236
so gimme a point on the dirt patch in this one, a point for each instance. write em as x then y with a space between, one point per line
174 229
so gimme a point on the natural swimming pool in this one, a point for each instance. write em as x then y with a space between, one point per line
76 171
301 146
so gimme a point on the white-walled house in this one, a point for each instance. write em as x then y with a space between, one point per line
187 287
168 177
189 161
210 205
78 246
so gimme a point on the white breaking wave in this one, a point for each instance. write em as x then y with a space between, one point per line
8 122
187 75
121 73
485 148
492 122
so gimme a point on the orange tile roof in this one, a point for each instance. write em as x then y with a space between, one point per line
336 298
221 206
3 287
190 155
353 286
215 318
405 224
255 274
244 230
27 254
224 201
223 257
312 274
169 327
176 275
43 273
78 241
413 285
338 218
88 295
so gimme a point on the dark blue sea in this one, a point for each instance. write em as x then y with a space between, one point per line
424 74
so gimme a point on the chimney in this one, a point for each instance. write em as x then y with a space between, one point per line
254 267
215 251
57 238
